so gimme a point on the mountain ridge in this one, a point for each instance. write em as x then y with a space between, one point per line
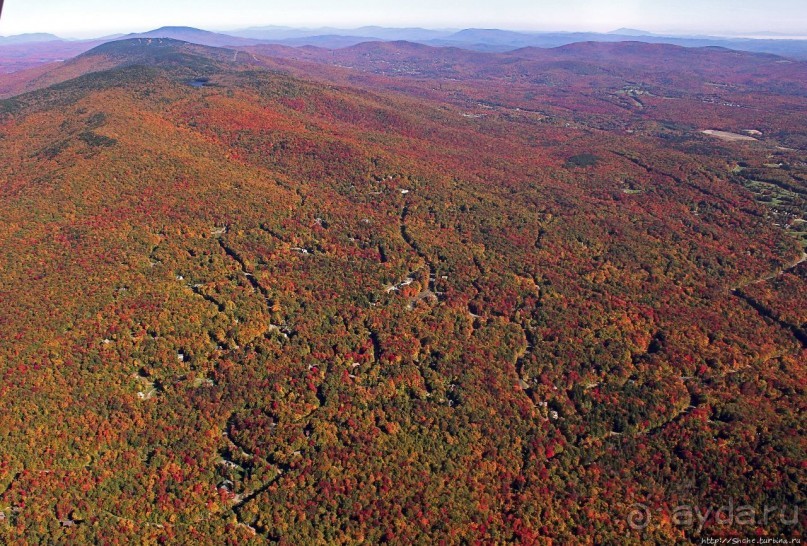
28 38
192 35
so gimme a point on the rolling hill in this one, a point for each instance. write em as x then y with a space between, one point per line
192 35
28 38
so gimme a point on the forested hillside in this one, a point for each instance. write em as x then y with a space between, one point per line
248 298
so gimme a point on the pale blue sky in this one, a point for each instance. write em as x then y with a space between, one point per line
95 17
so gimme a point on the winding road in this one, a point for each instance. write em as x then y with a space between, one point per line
775 274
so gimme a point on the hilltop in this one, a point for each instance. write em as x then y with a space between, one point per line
28 38
192 35
189 59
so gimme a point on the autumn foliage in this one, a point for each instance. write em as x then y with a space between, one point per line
485 303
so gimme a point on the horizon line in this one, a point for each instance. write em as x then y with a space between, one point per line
749 35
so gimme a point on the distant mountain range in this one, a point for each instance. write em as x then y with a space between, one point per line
503 40
193 35
27 38
630 32
494 40
372 32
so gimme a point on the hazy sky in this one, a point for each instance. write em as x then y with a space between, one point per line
95 17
